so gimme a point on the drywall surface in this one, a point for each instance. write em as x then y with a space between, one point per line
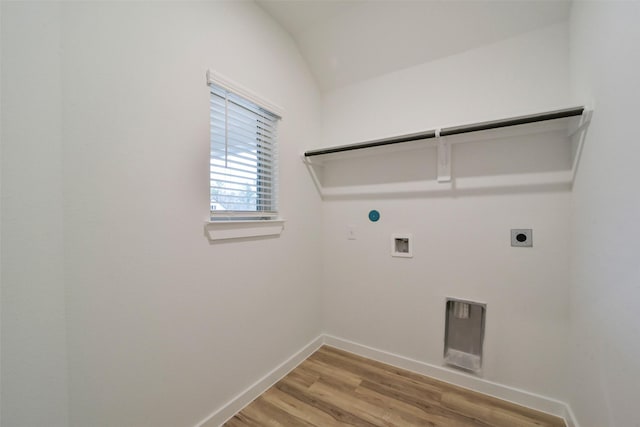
344 44
605 320
461 249
34 373
461 239
522 75
162 327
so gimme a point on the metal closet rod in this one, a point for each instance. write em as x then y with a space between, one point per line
454 130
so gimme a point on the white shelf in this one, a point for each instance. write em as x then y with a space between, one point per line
559 132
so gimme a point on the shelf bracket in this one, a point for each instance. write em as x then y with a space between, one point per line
578 135
312 171
444 158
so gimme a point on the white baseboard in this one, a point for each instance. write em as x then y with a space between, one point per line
570 417
510 394
228 410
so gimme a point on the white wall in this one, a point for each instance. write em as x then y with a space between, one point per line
162 327
34 373
517 76
605 334
462 246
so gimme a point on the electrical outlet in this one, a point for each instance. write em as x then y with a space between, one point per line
521 237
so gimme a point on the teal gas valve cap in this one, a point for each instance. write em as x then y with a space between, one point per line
374 215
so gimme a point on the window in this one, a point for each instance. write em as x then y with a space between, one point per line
243 161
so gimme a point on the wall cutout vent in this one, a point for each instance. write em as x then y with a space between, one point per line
464 334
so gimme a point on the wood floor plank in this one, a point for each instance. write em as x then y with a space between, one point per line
339 413
242 419
382 374
370 413
401 413
334 388
450 389
269 415
303 377
298 408
429 410
331 371
497 417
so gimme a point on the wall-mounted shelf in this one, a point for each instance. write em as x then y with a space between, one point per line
566 124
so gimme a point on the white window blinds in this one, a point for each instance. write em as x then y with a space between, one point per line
243 161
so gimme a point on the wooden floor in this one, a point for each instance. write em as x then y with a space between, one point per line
336 388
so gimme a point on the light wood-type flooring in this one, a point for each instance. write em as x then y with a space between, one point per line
336 388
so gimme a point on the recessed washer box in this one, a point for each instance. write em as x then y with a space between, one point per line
464 334
402 245
521 237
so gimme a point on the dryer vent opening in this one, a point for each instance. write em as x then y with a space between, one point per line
464 334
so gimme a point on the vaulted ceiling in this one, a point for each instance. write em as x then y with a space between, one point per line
348 41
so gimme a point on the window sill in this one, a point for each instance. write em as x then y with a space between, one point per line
227 230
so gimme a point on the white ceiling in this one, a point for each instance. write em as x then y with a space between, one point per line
346 41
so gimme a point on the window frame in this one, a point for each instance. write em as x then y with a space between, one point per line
237 224
257 166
